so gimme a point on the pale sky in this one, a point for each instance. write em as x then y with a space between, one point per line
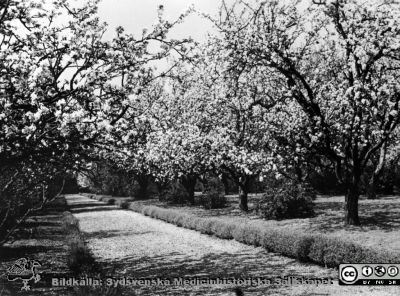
135 15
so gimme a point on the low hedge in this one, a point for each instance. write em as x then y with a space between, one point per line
316 248
81 261
79 258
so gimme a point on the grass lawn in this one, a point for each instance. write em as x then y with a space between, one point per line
380 219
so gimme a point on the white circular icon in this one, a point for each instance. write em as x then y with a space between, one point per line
349 274
380 271
393 271
367 271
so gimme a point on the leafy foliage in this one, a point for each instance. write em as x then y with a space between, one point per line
213 194
64 91
125 204
277 91
287 202
175 193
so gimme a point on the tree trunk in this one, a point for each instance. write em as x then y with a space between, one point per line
371 190
143 181
351 206
161 188
243 200
244 183
204 181
225 181
189 182
372 185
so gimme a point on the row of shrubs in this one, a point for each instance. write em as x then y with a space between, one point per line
317 248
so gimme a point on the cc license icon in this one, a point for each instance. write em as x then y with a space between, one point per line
349 274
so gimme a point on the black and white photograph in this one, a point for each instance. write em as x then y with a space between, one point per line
200 147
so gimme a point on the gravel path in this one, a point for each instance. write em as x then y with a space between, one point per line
131 245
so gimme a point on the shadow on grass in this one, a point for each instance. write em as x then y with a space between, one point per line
93 209
41 223
382 214
84 207
328 206
88 205
115 233
382 220
15 252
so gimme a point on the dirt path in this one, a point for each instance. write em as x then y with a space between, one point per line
131 245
